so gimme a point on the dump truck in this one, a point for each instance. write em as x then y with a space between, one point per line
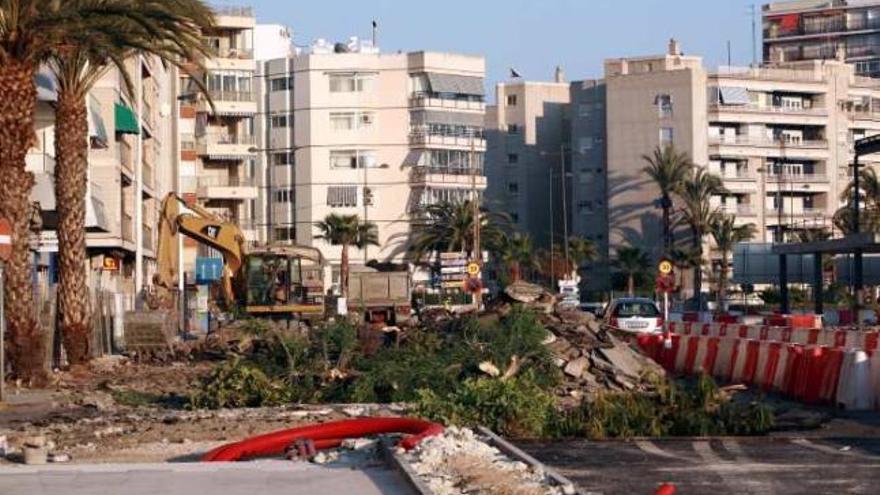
380 297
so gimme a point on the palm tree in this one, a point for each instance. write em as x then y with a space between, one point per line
519 255
869 211
684 259
449 226
726 235
696 193
171 30
581 251
668 169
30 31
630 262
345 231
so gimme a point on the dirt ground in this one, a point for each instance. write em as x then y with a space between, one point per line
122 411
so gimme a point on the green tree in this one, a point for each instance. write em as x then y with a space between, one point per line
726 235
631 262
30 32
449 226
698 213
110 33
869 211
668 169
345 231
518 254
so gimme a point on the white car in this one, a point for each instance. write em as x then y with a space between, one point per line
634 314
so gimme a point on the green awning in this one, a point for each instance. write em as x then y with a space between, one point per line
126 122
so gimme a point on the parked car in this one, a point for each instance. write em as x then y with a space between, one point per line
634 314
596 308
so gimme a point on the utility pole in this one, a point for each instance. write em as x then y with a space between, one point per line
564 207
552 235
478 253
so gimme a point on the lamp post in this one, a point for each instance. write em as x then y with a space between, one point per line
563 174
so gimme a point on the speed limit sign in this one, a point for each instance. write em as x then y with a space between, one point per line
665 267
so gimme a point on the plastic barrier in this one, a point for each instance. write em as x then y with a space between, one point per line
324 436
665 489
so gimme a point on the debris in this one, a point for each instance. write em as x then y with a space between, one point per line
354 411
58 458
490 369
577 367
525 292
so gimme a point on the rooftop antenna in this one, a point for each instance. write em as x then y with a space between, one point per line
753 13
728 54
375 32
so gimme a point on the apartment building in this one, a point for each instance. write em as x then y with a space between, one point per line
131 165
529 156
216 136
824 29
346 129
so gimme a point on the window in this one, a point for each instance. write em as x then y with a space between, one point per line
284 196
282 158
512 158
346 121
512 129
280 121
585 110
666 136
585 144
352 159
585 207
351 83
281 83
513 188
342 196
514 217
451 161
664 105
285 234
511 100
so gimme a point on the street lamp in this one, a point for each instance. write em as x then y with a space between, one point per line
562 174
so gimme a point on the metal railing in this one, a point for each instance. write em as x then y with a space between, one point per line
753 108
421 171
828 26
797 212
235 53
765 141
797 178
434 101
233 10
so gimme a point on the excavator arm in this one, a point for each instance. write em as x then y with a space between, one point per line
202 226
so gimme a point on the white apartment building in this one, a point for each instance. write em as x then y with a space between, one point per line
216 136
346 129
131 165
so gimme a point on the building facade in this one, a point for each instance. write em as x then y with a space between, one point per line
346 129
824 29
216 135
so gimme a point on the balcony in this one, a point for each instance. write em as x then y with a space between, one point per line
126 156
454 139
763 141
230 59
821 28
147 233
772 110
231 103
797 211
234 17
225 146
429 101
797 178
738 210
446 176
234 188
768 74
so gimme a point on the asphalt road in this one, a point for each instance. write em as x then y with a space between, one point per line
717 466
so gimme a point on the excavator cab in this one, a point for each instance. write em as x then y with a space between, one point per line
283 281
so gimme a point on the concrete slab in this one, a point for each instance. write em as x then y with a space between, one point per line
245 478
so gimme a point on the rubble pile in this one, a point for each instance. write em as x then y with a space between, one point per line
593 360
460 462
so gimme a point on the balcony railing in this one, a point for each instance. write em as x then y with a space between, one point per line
233 11
797 212
829 26
221 139
737 175
797 178
740 210
752 108
235 53
218 95
226 182
770 74
429 170
743 140
433 101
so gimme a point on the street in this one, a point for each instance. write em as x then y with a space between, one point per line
717 466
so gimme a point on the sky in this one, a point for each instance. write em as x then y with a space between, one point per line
533 36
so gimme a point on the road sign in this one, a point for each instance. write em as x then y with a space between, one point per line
473 285
664 283
473 269
665 267
111 264
5 239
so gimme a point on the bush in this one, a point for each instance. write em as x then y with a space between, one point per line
236 384
516 407
697 409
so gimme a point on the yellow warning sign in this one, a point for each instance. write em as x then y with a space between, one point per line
473 269
665 267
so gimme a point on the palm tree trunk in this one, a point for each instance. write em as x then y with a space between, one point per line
631 284
667 239
698 269
343 270
722 282
17 104
71 174
515 272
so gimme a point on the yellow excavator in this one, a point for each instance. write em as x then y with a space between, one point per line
282 281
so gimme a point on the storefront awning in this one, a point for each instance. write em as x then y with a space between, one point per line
97 129
126 121
455 84
733 96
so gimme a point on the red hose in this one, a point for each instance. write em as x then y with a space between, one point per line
665 489
324 435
